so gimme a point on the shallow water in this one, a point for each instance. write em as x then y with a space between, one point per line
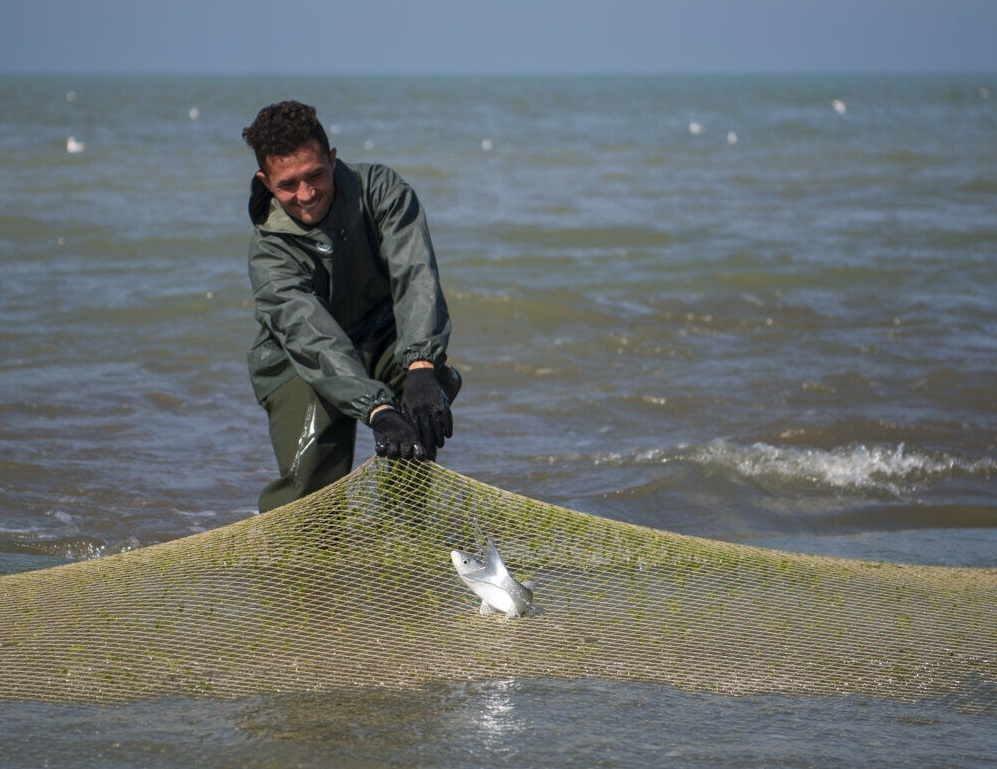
514 723
785 340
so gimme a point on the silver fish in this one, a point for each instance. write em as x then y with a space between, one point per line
491 581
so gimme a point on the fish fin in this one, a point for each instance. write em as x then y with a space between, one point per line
478 536
486 609
493 558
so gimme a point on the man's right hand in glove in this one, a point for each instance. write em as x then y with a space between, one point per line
395 438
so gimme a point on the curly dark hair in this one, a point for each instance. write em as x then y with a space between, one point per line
283 128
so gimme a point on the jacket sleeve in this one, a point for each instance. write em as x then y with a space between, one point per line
421 315
296 317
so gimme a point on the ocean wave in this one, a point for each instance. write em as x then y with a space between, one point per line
892 469
62 549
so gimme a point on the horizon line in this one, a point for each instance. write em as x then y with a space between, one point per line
860 72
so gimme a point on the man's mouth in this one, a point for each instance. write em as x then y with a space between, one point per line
310 208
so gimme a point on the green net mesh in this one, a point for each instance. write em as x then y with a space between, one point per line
354 586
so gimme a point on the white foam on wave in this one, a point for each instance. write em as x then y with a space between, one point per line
889 468
637 457
859 467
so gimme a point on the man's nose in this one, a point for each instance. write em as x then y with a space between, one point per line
306 191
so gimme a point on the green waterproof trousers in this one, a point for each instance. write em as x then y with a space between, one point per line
314 441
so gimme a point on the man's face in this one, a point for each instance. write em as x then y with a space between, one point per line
302 182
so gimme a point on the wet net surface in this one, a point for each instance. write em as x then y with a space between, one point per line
354 586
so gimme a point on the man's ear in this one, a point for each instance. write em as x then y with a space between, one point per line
263 178
332 157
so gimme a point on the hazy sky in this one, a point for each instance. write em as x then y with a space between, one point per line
509 36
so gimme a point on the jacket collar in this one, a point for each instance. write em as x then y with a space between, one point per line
259 201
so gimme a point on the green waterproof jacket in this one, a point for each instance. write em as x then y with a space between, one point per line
329 298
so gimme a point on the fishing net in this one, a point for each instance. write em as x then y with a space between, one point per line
354 586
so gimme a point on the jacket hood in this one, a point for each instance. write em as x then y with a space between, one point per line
259 201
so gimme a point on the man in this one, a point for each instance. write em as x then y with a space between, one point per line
353 322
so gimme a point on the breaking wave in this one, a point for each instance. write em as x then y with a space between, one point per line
894 469
891 469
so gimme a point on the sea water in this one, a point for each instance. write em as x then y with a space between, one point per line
758 309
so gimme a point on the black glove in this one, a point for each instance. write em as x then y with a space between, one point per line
427 408
395 438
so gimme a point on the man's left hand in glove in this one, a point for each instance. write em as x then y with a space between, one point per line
426 407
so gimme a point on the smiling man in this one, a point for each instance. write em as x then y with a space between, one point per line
353 322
